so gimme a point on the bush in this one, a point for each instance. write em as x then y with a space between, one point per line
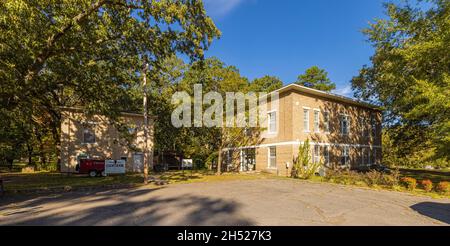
443 187
427 185
409 183
373 178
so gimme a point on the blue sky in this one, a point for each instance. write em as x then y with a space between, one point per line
282 38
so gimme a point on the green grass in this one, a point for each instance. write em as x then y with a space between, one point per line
20 182
174 177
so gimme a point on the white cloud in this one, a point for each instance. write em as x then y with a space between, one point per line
344 91
220 8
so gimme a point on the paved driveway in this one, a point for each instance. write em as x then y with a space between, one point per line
251 202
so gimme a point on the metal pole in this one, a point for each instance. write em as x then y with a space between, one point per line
146 157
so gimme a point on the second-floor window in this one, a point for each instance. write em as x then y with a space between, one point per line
88 135
373 125
326 121
272 122
316 120
306 120
345 124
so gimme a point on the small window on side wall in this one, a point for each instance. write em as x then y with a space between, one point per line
88 135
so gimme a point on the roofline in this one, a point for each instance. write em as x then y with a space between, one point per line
122 113
325 94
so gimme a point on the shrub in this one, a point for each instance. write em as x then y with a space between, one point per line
373 178
427 185
388 180
302 166
409 183
443 187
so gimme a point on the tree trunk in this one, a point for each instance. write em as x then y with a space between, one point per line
30 154
219 161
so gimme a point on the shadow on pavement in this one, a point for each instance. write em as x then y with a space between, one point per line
123 207
437 211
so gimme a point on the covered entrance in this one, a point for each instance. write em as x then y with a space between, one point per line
248 160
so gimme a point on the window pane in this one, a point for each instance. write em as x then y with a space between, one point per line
272 122
88 136
306 119
272 157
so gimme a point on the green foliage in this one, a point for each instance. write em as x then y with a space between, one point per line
316 78
85 53
302 167
409 76
265 84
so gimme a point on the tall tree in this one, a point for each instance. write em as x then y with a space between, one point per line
316 78
89 52
265 84
409 75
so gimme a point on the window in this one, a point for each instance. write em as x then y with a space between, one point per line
364 156
373 125
272 157
272 122
326 121
316 120
345 125
362 126
326 155
316 154
88 135
124 158
306 119
345 160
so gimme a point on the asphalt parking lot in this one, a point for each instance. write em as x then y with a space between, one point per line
244 202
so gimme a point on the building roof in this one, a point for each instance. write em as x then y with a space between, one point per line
336 97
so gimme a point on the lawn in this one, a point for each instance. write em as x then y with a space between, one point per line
42 181
206 176
22 182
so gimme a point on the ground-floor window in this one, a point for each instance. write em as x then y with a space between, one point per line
345 159
272 157
316 154
326 155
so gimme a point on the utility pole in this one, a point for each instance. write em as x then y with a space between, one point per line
146 157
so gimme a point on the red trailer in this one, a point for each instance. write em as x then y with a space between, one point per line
92 167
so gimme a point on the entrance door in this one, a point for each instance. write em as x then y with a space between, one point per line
138 162
248 160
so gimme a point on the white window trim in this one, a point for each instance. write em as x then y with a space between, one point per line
268 157
276 121
306 130
318 120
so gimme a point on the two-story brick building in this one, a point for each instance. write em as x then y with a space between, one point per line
342 132
96 137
